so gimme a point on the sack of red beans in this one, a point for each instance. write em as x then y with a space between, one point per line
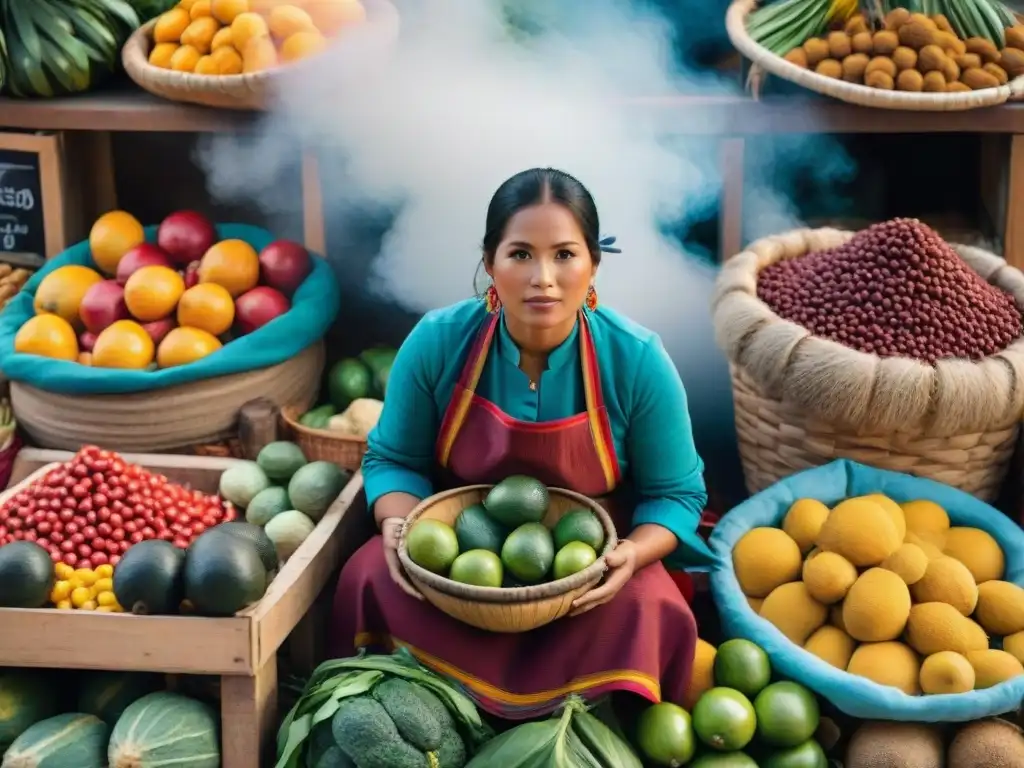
890 328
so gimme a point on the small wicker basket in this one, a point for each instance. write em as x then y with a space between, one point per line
496 609
248 91
764 60
322 444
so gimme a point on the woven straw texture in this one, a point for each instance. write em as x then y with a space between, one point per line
322 444
802 401
165 419
251 91
763 59
518 609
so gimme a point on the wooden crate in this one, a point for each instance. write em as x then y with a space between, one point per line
242 650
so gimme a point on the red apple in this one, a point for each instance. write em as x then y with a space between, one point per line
102 305
256 308
142 255
86 341
284 264
186 236
159 328
191 274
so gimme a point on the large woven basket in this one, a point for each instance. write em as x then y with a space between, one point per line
962 432
322 444
254 90
854 93
163 419
517 609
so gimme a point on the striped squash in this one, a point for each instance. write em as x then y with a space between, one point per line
165 730
73 740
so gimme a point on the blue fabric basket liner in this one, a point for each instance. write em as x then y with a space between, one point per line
855 695
314 307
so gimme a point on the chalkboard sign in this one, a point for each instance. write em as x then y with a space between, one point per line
22 223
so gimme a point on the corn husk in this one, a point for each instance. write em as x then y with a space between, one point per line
573 738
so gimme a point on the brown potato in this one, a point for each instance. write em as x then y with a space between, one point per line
1015 37
942 23
978 79
910 80
956 86
1012 60
917 35
881 64
830 68
839 45
862 42
855 25
854 66
885 42
904 58
896 18
934 82
797 56
930 58
984 48
816 50
879 79
968 60
997 72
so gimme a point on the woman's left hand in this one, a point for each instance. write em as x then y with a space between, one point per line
621 563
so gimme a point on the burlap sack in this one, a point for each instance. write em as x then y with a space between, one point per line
870 401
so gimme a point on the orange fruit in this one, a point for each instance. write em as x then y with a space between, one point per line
246 27
161 54
259 54
61 292
185 345
199 33
286 20
302 44
222 39
170 25
208 307
226 11
123 344
206 66
152 293
47 336
331 16
185 58
227 61
233 264
85 358
199 8
113 235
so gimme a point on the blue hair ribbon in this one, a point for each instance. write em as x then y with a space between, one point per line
607 245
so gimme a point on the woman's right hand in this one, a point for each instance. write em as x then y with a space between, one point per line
390 529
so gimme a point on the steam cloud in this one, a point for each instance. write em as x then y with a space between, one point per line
431 126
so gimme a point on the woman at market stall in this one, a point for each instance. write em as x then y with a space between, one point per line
467 395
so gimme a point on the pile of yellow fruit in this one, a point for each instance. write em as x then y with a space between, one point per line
887 591
85 589
231 37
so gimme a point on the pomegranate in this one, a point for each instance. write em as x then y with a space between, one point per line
102 305
142 255
186 236
159 328
256 308
284 264
191 274
86 341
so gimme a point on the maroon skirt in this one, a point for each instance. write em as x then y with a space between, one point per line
642 641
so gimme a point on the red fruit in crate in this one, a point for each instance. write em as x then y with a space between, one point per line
256 308
192 274
186 236
86 341
142 255
159 328
284 264
102 305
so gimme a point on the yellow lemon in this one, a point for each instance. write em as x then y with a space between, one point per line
200 32
302 45
226 11
185 59
223 39
170 25
227 60
246 27
161 55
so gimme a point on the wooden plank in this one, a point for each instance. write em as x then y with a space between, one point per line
125 108
86 640
730 217
248 714
1013 239
297 585
313 227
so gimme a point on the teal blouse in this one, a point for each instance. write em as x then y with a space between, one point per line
642 390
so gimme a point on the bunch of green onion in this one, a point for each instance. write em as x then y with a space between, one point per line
970 18
785 25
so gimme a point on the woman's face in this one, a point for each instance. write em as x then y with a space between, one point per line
542 268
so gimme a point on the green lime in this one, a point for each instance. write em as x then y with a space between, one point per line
807 755
516 500
579 525
432 545
573 558
724 719
348 380
476 529
479 567
725 760
528 552
742 665
787 714
665 734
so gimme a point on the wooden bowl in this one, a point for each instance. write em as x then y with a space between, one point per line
499 609
322 444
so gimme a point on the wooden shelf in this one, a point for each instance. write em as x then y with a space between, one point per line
126 108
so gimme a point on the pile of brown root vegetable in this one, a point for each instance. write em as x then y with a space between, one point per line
913 52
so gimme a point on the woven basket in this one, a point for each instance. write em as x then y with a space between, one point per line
163 420
495 609
322 444
784 426
255 90
765 60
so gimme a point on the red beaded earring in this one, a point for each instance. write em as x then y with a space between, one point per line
491 300
591 300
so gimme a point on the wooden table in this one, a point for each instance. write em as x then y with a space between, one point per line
731 118
241 649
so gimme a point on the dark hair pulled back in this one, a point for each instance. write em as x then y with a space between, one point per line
534 187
